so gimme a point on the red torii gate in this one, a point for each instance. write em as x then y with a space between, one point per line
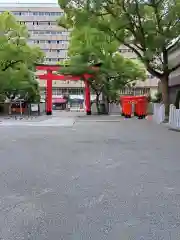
49 77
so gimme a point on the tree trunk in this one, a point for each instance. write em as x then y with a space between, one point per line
98 103
165 93
10 109
106 103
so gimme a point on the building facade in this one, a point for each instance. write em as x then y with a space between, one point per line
41 21
174 78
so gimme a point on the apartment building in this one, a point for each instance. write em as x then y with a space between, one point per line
174 78
40 17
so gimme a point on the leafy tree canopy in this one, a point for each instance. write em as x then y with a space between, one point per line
150 28
17 59
90 47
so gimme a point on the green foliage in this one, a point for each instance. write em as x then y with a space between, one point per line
90 47
147 27
158 98
17 60
150 28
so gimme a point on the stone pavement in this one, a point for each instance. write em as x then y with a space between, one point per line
94 180
57 119
51 122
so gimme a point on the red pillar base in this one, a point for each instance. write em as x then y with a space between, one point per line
49 113
88 112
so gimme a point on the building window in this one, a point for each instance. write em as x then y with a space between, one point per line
125 50
16 13
35 23
59 59
29 13
47 32
47 23
35 41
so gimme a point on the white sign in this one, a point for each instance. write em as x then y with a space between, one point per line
34 107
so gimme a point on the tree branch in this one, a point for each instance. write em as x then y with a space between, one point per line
133 25
11 64
134 50
153 71
146 62
140 26
155 6
174 68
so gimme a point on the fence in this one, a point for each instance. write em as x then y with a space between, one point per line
158 112
174 117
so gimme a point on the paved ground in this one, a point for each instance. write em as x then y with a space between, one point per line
109 180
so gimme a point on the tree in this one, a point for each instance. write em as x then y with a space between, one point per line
17 60
90 49
150 28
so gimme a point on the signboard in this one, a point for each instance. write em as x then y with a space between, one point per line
34 107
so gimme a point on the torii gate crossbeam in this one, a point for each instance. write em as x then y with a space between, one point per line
49 77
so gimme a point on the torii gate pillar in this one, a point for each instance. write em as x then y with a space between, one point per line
87 97
49 78
49 93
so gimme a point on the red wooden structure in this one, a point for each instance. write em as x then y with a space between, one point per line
50 76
